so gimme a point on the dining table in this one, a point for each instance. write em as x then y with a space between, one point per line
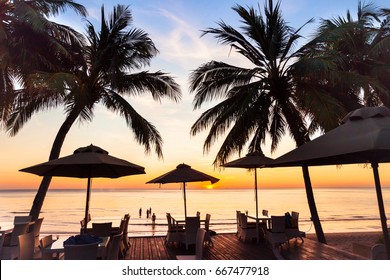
57 247
259 220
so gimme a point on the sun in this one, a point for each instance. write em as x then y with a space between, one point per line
210 187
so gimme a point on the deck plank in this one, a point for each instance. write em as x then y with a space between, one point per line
228 247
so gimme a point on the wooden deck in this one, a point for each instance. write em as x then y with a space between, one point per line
227 247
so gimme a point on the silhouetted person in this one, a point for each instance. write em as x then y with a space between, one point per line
153 217
140 212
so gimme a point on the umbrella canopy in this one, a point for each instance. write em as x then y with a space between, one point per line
183 174
363 137
252 160
86 162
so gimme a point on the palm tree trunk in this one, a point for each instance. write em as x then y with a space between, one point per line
301 139
54 154
312 205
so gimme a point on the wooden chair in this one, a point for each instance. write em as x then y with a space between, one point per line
207 237
26 246
192 226
276 236
44 243
293 230
11 241
81 252
247 231
114 247
238 233
198 247
37 230
175 232
125 234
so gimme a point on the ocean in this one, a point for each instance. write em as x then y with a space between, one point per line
340 209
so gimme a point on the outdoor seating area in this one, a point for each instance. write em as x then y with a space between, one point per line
276 244
276 230
23 241
184 232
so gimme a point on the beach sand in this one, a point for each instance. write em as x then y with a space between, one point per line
346 240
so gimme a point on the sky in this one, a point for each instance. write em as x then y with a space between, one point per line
175 27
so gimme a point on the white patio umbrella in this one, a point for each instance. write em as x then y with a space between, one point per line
363 137
86 162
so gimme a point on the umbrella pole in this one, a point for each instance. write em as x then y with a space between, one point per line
257 208
87 205
382 213
185 200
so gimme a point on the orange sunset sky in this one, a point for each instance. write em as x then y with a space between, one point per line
175 28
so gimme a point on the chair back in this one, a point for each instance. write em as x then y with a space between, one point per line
102 229
114 247
122 225
19 228
294 219
191 229
199 243
278 224
46 241
26 246
265 213
197 213
192 224
81 252
126 225
22 219
125 233
238 212
169 221
243 220
172 224
37 231
207 222
43 243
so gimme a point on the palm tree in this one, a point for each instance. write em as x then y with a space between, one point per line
257 101
348 60
30 42
104 73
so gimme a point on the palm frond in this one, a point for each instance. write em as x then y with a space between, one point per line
145 133
214 80
26 104
159 84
